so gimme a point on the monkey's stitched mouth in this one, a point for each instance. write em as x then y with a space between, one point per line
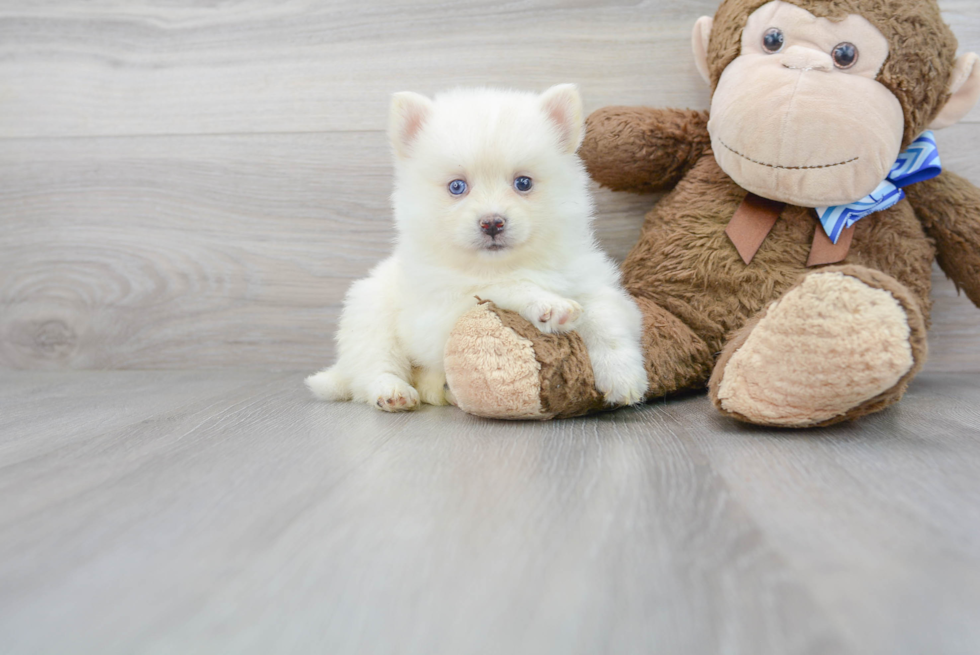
786 168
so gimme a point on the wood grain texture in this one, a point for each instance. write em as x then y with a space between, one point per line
901 488
221 251
228 512
230 251
229 236
126 68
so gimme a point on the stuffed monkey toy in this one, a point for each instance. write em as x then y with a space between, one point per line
788 269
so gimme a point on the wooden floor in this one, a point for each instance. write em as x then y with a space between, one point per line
194 185
227 512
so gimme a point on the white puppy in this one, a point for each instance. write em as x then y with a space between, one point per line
490 200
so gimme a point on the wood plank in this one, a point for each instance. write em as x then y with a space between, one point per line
875 515
139 68
262 521
194 252
40 412
232 251
273 523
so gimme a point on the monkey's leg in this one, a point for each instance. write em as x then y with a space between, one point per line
500 366
842 343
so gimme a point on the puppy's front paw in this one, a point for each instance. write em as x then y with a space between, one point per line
391 394
553 316
621 380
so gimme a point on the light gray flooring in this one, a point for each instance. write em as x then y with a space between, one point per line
197 512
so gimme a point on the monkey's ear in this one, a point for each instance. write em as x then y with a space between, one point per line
406 118
563 106
965 87
700 38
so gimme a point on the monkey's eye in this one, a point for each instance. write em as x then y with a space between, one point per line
845 55
523 184
457 187
773 41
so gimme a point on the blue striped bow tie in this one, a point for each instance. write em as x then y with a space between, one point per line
920 162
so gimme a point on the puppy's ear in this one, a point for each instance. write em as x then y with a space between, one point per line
563 106
406 118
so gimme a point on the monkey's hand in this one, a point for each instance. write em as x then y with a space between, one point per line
949 208
643 149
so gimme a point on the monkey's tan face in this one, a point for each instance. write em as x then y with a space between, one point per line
799 116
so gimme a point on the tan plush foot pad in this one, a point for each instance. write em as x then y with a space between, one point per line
500 366
843 343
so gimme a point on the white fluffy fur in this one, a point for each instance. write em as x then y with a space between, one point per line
546 267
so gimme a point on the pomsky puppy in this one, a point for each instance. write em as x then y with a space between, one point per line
490 201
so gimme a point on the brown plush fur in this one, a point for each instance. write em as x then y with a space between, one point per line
492 371
918 343
500 366
949 208
917 71
567 384
698 298
676 358
685 263
648 149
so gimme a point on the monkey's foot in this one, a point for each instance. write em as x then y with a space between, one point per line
842 343
500 366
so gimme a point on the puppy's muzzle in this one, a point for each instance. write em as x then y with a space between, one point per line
493 225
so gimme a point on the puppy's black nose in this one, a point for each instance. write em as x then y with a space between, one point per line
493 225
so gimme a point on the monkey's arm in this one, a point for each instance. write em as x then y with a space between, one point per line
643 149
949 208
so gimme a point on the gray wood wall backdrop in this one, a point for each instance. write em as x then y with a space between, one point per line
194 184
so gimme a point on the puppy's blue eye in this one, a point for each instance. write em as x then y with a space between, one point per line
457 187
523 184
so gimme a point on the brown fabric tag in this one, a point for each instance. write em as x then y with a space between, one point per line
825 251
752 223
